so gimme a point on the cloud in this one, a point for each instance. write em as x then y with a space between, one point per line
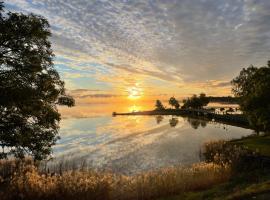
185 42
99 96
91 93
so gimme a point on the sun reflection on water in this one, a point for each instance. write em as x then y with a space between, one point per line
134 108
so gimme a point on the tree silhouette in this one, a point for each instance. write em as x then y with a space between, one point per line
204 100
174 103
252 86
159 105
30 87
196 102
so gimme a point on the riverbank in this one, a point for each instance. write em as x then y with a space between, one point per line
229 119
224 175
250 181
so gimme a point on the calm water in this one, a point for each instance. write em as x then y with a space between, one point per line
135 143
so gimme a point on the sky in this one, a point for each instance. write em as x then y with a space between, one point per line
153 48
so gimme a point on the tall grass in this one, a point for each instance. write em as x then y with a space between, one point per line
225 153
27 181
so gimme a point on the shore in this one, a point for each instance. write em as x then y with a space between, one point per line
230 119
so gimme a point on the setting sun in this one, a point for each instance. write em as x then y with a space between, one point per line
134 93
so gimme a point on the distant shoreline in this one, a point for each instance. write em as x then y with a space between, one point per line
231 119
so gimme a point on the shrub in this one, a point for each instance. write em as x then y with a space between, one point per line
226 153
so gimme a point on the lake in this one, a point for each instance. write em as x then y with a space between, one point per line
131 144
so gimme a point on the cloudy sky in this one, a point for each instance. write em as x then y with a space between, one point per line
108 48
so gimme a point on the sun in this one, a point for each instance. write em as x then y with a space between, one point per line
134 93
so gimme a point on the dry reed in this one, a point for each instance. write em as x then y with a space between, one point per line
28 182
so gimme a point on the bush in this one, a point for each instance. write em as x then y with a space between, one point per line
226 153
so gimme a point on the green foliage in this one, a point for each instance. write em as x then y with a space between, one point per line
252 86
159 105
196 102
256 143
30 87
174 103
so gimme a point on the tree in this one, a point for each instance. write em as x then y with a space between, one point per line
30 87
252 86
159 105
204 100
174 103
196 102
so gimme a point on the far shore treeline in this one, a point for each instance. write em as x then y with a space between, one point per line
197 101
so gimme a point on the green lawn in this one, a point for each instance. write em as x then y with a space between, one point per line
229 191
256 143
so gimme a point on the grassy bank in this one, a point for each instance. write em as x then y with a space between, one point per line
257 143
229 191
250 178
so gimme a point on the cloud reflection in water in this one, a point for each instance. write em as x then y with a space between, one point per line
130 144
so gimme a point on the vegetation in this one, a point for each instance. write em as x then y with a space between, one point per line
174 103
30 183
250 178
159 105
196 102
228 99
235 189
256 143
252 86
30 87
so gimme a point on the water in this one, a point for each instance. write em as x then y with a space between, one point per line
129 144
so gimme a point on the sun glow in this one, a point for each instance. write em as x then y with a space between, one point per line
135 108
134 93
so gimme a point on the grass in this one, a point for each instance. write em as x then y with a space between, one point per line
228 192
256 143
27 182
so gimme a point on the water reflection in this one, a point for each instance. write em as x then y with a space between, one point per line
173 121
196 123
193 122
159 118
130 144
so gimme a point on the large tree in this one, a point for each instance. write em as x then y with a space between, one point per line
252 86
30 87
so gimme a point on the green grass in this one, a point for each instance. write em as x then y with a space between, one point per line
256 143
229 191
